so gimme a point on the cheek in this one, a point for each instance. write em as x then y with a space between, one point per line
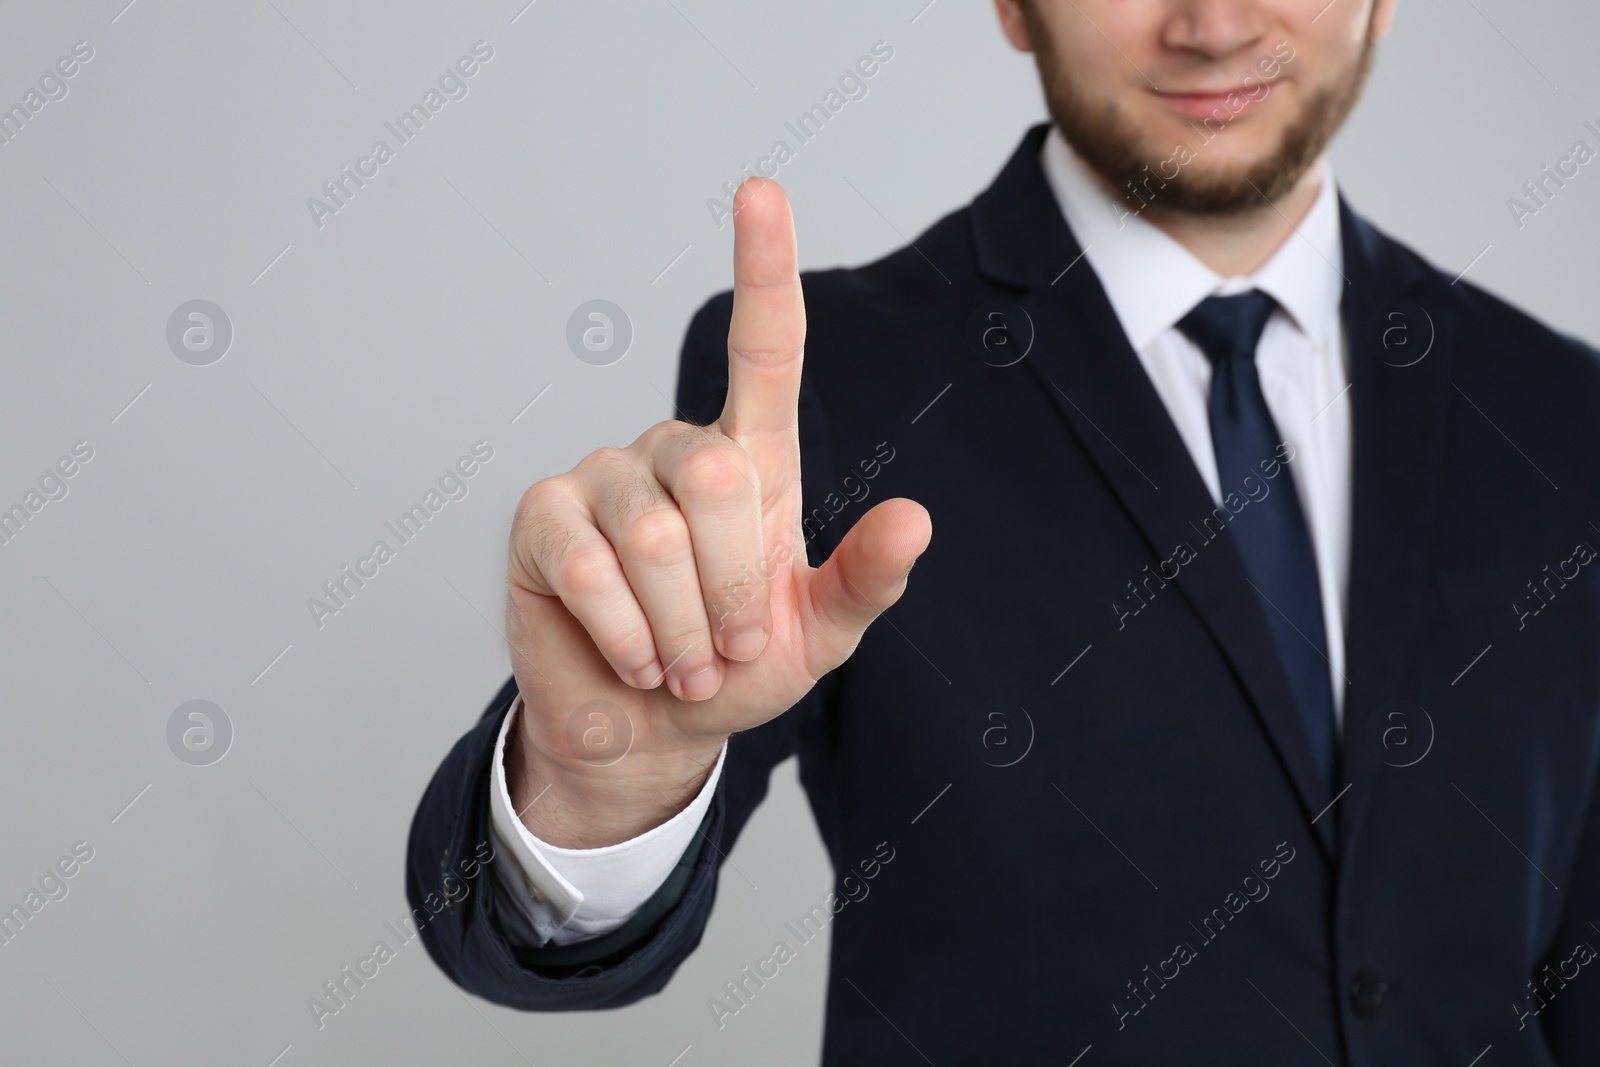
1079 34
1325 51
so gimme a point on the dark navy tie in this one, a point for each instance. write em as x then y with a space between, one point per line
1270 532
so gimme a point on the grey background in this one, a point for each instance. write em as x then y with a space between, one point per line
374 351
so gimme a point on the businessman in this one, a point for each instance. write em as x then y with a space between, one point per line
1245 707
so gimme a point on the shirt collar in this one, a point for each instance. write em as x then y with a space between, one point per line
1152 281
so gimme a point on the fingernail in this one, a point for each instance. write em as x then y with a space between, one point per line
700 685
746 644
650 676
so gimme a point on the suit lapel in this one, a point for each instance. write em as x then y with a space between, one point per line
1398 332
1085 363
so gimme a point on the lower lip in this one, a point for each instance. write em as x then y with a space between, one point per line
1207 105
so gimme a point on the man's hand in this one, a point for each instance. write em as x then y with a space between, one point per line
660 594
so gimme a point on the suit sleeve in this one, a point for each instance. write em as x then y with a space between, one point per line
1571 1021
450 832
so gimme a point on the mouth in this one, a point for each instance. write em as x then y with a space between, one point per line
1224 105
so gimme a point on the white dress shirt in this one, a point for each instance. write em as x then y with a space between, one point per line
567 895
544 881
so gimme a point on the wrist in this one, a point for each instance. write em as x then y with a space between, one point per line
584 804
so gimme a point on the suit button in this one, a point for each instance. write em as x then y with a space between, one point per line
1366 993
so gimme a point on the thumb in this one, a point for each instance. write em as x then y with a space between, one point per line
864 576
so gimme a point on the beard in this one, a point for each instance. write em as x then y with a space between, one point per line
1114 147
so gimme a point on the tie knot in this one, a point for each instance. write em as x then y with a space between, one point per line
1228 327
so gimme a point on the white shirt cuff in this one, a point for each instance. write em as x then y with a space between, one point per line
565 895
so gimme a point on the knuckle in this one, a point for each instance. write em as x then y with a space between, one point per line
657 536
538 500
692 434
603 457
664 434
629 495
547 539
716 472
585 575
597 466
540 536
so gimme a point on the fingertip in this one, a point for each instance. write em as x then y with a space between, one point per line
763 229
909 526
701 684
745 643
757 190
646 677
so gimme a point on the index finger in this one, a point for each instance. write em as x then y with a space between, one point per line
766 339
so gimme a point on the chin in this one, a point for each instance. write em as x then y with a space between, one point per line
1234 163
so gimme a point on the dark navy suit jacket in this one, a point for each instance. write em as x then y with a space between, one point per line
1135 853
